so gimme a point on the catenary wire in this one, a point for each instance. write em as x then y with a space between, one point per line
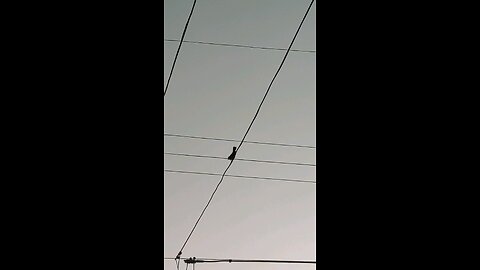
243 159
242 176
179 46
275 76
230 140
239 45
243 139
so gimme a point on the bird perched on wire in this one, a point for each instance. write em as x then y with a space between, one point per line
232 155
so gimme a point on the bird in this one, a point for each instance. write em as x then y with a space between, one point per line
232 155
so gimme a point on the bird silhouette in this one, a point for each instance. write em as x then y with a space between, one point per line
232 155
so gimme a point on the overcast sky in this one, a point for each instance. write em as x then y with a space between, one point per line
215 92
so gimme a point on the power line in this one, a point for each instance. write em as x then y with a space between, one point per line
179 46
242 159
245 261
239 46
243 139
276 73
205 260
206 206
230 140
243 176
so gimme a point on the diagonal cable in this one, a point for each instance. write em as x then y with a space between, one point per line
178 49
206 206
256 114
275 76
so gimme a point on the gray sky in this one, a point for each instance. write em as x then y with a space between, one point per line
215 92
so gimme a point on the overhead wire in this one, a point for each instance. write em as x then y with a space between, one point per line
275 76
243 159
178 49
253 120
231 140
205 208
243 176
252 261
239 45
206 260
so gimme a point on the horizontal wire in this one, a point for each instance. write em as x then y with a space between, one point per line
230 140
205 260
250 261
243 176
238 45
242 159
